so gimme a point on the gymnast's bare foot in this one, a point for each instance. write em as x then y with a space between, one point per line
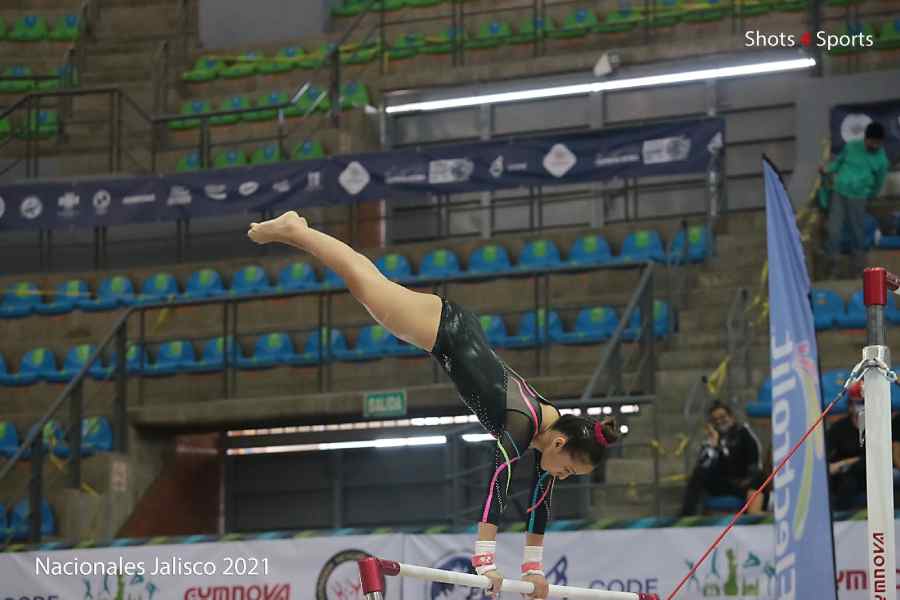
288 228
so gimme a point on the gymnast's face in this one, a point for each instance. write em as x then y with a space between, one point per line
560 463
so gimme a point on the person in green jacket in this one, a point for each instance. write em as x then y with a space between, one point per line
859 172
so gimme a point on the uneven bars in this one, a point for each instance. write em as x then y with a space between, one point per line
372 571
879 464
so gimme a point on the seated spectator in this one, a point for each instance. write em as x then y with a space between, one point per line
846 456
729 461
763 502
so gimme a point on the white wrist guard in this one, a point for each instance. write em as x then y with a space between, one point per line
483 559
533 560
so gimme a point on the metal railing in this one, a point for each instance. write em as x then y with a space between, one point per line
739 335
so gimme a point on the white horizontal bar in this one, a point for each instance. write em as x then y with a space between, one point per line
509 585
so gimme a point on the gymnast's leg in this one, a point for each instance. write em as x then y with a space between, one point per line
411 316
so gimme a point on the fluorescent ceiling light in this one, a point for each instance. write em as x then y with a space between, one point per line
606 85
427 440
477 437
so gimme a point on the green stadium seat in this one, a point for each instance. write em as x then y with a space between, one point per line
191 107
753 8
244 66
624 19
422 3
21 84
360 55
354 95
310 149
268 154
576 24
315 59
705 11
350 8
666 13
490 35
30 28
189 163
304 105
284 61
889 38
853 29
442 43
843 3
387 5
530 27
229 158
62 79
5 129
406 46
232 103
41 125
264 102
65 29
205 69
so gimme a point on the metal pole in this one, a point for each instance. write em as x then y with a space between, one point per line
226 345
337 487
120 410
36 487
75 416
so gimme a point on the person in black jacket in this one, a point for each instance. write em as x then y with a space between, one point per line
729 461
847 457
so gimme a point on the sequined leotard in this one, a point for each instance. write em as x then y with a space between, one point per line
506 406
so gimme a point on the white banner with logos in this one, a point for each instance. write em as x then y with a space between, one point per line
293 569
636 560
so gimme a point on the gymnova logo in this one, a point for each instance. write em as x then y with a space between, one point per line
31 207
354 178
559 160
248 188
339 577
265 591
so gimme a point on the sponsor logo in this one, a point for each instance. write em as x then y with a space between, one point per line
282 187
278 591
461 562
313 181
248 188
616 158
354 178
879 577
499 166
665 150
450 170
216 191
139 199
339 577
559 160
715 144
405 175
179 196
31 207
68 205
2 207
109 586
740 575
821 39
496 169
101 202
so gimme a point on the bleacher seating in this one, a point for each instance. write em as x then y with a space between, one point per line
114 292
592 325
249 281
161 287
642 245
205 283
373 342
490 259
270 350
20 524
827 306
173 357
9 442
65 299
75 360
539 254
440 264
395 267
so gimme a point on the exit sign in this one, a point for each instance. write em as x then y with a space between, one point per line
385 404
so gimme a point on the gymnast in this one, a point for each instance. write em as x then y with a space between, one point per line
506 406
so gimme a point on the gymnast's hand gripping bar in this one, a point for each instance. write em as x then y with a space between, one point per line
372 571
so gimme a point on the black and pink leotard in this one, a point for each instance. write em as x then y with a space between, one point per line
506 406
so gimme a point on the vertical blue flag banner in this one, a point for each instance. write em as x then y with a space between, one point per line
804 551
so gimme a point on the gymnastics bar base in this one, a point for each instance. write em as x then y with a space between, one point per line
373 570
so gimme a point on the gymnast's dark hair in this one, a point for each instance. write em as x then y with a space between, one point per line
587 437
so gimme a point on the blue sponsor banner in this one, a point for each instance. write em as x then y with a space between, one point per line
678 148
849 121
804 552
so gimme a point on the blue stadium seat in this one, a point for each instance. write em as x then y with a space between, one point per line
642 245
9 378
373 343
205 283
249 281
698 245
55 439
41 362
114 291
311 355
831 384
891 311
96 436
827 305
723 504
5 530
855 315
395 267
592 325
531 329
161 287
137 359
66 298
9 441
402 349
75 359
332 281
213 356
539 255
661 322
20 520
20 300
590 250
871 227
490 259
173 357
270 350
440 264
494 329
758 410
296 277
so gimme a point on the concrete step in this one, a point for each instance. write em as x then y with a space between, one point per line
641 470
635 501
